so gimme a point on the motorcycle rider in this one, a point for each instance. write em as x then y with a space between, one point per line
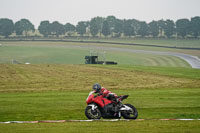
104 92
100 105
109 95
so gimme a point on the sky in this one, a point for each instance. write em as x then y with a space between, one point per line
73 11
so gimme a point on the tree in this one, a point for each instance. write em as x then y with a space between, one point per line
153 28
161 25
118 27
44 28
94 29
195 26
69 28
105 29
24 25
169 28
128 28
182 27
57 28
143 30
6 27
135 24
81 27
111 20
96 25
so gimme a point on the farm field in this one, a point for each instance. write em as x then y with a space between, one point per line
58 92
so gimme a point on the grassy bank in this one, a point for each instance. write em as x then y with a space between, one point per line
58 92
42 92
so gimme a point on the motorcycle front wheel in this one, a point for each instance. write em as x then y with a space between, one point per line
92 114
130 114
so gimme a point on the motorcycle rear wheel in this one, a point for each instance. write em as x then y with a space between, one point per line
130 114
92 114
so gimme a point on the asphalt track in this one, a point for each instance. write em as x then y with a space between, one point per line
104 120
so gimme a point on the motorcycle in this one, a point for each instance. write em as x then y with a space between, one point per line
109 108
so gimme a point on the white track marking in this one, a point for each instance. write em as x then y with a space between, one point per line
109 120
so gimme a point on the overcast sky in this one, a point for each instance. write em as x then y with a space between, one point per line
73 11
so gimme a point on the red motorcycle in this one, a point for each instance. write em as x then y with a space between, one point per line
109 108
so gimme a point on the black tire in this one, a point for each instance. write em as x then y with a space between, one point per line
130 114
92 114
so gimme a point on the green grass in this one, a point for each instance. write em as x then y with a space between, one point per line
42 106
100 127
58 92
65 53
169 71
53 92
66 105
140 59
39 54
25 78
45 91
191 43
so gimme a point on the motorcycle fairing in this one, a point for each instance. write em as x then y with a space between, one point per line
101 101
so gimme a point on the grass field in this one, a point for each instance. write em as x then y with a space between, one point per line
51 88
190 43
58 92
74 53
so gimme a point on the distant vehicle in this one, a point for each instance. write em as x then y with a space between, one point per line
94 60
98 106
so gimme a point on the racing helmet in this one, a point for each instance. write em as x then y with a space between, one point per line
96 87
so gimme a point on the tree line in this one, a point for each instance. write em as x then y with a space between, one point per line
109 26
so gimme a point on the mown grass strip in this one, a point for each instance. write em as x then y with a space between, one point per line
90 127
